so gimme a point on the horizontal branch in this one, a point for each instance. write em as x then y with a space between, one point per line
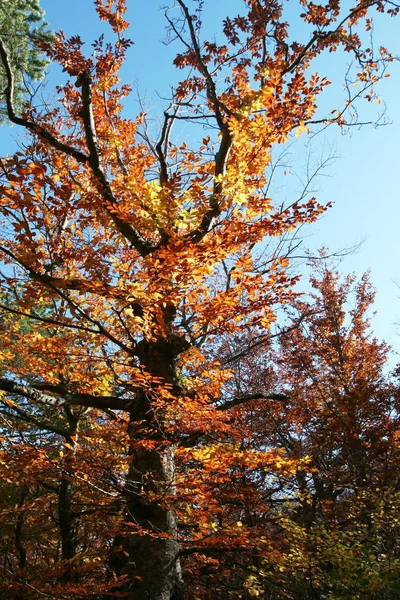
16 412
89 400
249 397
65 398
209 550
11 387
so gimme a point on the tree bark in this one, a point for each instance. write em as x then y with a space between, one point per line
18 531
66 517
148 552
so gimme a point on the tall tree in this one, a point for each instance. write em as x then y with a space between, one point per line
129 257
337 417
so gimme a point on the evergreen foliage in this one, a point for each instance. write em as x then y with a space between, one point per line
23 30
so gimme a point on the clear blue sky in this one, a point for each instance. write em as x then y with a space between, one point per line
364 181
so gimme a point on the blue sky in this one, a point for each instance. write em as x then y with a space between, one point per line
362 183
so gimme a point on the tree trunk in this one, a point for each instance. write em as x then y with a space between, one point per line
148 554
151 557
66 517
18 531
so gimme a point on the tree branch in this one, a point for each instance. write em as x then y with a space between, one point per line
264 339
221 157
249 397
31 392
142 246
7 385
163 142
34 127
45 280
209 550
321 35
93 160
24 416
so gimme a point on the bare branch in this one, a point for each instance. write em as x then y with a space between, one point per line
221 157
211 89
76 399
34 127
19 413
249 397
264 339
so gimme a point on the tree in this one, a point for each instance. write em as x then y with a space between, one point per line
23 30
333 521
129 258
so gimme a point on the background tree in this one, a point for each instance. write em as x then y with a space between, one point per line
337 418
144 253
22 30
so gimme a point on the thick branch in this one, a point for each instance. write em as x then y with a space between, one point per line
161 144
19 413
142 246
7 385
249 397
32 393
90 400
34 127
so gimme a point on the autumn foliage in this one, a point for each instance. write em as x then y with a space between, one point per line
158 440
328 522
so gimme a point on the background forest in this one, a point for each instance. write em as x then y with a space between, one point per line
177 420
